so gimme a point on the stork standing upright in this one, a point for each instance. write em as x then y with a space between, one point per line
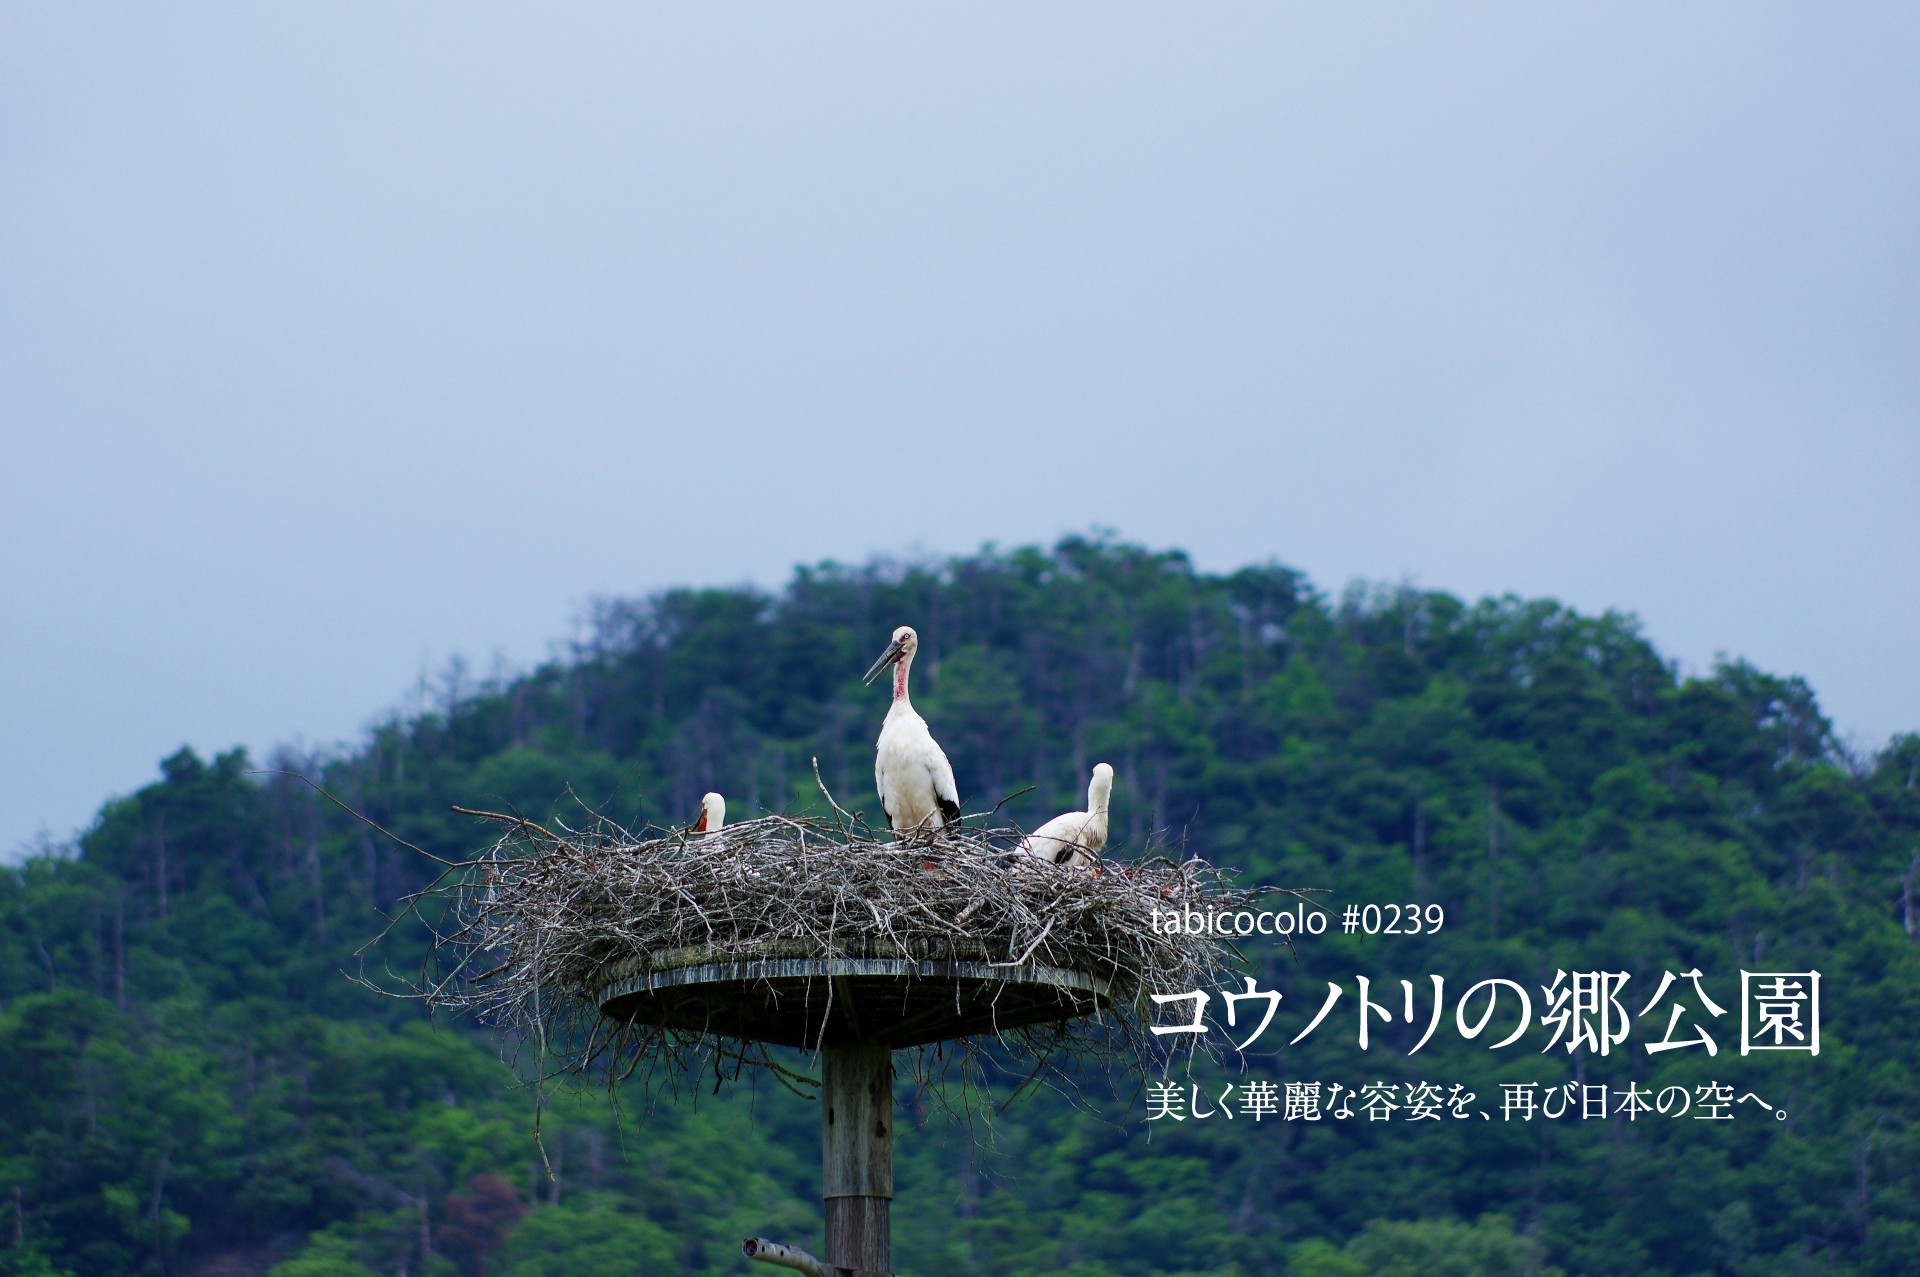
1072 838
913 775
713 815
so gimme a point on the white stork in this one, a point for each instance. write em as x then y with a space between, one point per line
913 775
713 815
1072 838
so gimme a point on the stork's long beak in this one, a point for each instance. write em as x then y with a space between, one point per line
887 658
700 825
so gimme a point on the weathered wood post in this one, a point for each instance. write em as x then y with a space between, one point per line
856 1011
856 1144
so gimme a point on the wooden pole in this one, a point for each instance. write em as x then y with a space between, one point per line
782 1256
856 1143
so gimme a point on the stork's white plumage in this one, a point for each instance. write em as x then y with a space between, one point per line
1072 838
913 775
713 814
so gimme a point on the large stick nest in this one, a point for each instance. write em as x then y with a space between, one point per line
537 926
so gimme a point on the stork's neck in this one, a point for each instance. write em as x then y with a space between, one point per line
900 680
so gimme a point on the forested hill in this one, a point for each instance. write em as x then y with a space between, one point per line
192 1086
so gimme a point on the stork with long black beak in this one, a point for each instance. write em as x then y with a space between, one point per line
1072 839
713 815
912 773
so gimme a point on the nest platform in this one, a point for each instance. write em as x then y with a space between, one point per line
659 955
809 1001
638 955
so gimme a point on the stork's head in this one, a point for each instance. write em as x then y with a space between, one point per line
905 644
713 814
1101 789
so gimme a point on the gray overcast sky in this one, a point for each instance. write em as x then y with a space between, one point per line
336 339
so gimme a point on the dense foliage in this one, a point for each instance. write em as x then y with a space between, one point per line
193 1087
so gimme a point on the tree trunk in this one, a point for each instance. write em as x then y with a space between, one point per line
120 948
160 866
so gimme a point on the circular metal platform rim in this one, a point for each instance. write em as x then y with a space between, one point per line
753 970
800 991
